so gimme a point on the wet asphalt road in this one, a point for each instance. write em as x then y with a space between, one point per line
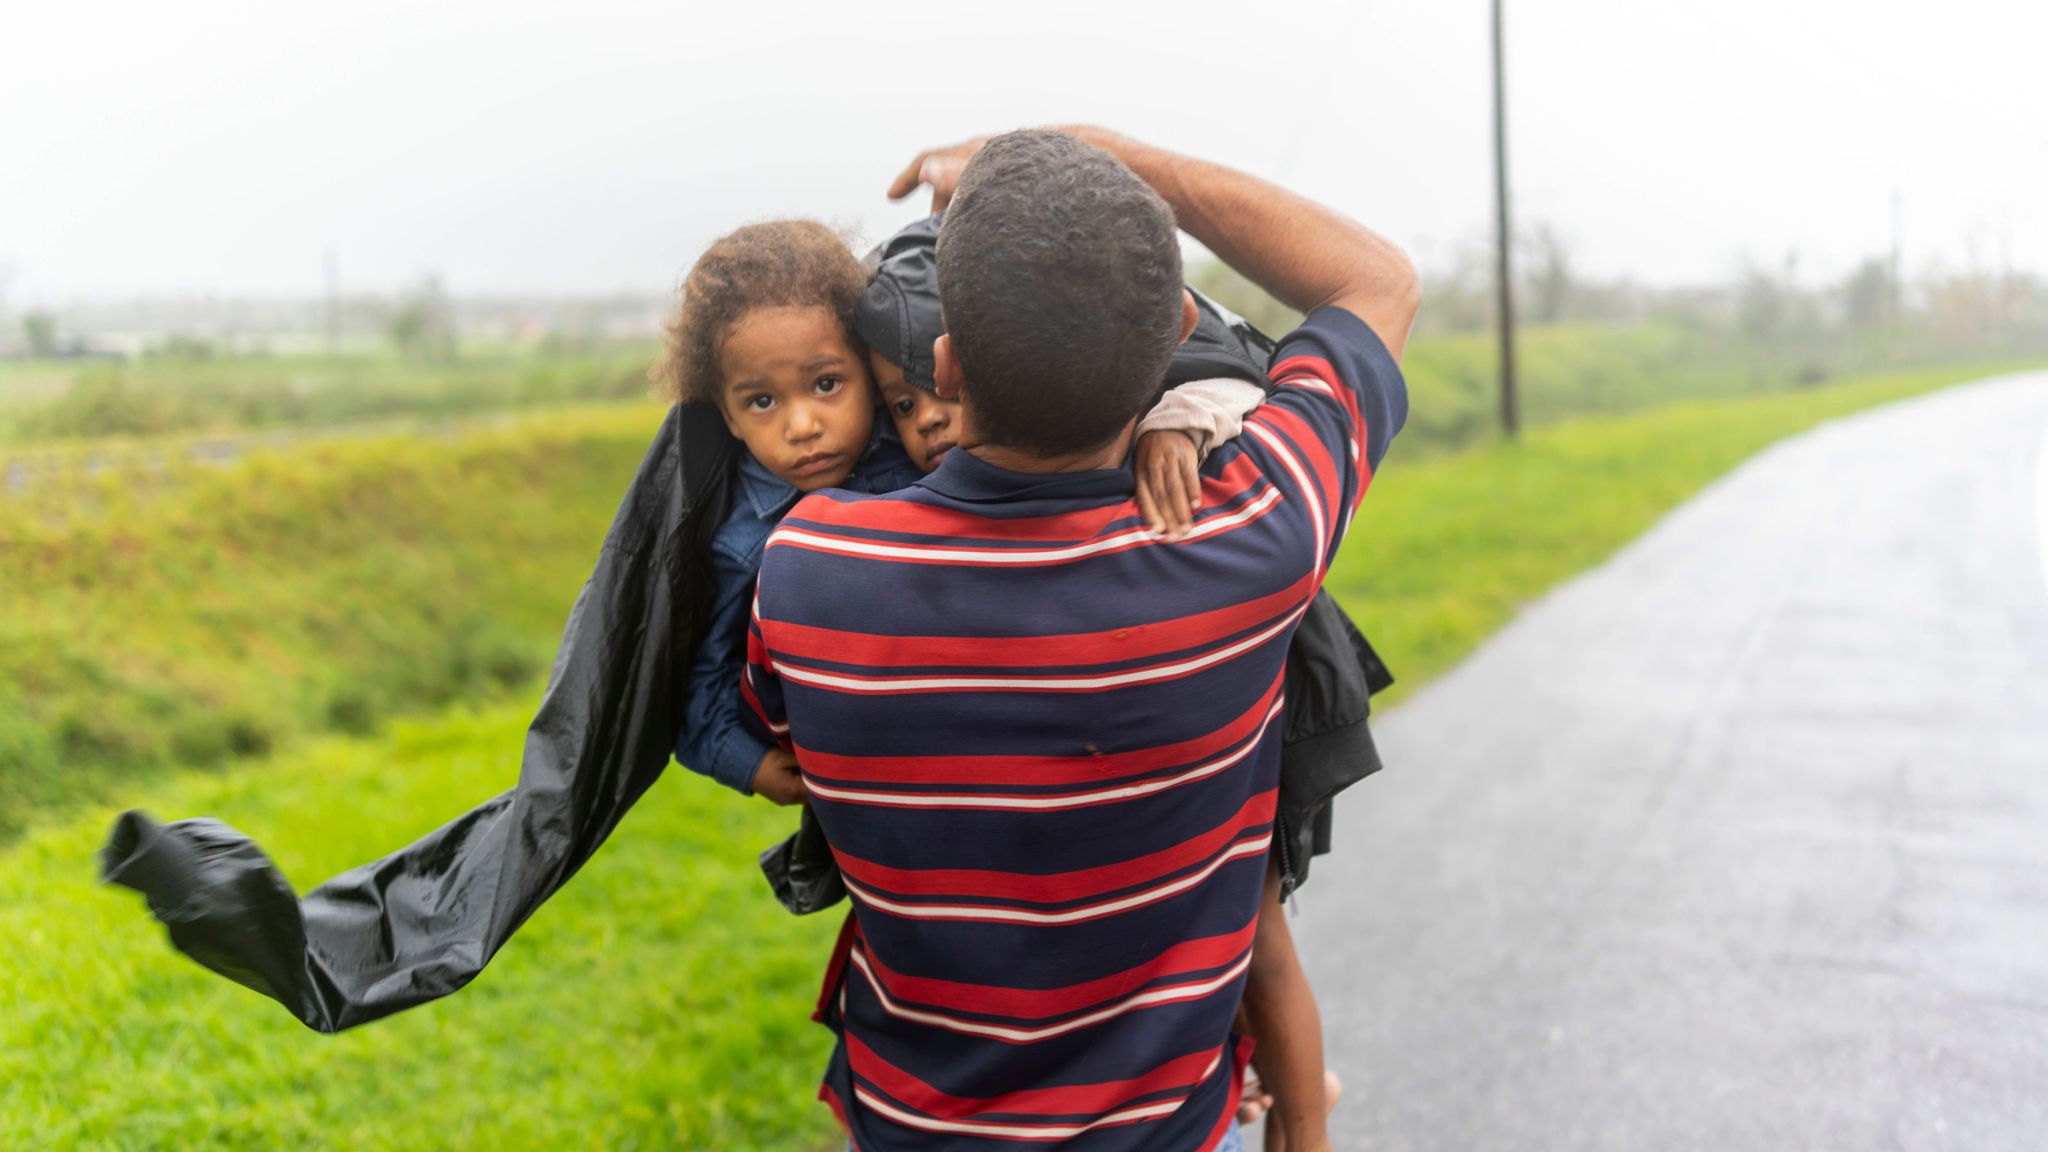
1737 842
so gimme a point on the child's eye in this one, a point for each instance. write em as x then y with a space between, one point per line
760 402
903 407
827 385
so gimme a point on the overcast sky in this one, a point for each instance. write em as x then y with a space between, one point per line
514 146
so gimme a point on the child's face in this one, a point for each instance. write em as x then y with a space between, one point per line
927 425
794 390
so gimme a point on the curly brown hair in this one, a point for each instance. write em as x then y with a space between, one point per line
776 264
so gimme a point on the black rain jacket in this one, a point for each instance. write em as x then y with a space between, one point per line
420 923
1332 672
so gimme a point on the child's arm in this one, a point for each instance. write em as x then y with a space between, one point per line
1280 1011
1204 413
712 739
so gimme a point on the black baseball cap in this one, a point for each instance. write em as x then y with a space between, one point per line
899 313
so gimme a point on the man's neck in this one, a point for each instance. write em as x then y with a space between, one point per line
1110 455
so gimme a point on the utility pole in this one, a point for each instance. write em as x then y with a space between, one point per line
1510 413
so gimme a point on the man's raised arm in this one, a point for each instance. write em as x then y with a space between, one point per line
1308 256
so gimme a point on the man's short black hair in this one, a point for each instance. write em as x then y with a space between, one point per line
1060 280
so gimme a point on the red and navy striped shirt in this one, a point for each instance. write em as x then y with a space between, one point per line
1045 749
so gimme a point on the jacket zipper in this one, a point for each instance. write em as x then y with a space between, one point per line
1283 843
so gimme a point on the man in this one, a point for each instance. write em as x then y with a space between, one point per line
1039 738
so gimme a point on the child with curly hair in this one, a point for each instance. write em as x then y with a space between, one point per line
765 335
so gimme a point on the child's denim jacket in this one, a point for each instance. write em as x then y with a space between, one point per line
712 740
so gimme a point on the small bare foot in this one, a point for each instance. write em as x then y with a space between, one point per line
1255 1100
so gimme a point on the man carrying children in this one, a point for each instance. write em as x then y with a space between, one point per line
1036 698
1038 735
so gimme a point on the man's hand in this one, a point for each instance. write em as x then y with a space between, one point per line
1306 255
778 779
938 167
1169 481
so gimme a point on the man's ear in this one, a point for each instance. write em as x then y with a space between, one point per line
946 376
1189 315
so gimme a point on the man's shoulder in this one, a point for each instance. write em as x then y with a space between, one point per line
834 511
801 557
1337 355
1336 336
847 503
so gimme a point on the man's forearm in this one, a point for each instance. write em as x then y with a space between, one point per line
1307 255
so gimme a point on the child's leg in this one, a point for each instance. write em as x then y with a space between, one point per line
1280 1011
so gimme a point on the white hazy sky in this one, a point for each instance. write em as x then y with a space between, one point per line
224 148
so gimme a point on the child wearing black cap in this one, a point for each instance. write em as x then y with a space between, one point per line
1213 384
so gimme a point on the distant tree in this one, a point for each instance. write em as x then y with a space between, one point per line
1460 297
1769 307
39 332
423 326
2027 298
1963 307
1548 274
1868 295
184 348
1760 304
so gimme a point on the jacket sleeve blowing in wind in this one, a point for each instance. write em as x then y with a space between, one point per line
421 922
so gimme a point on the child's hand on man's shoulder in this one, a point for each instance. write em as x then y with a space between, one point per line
1168 467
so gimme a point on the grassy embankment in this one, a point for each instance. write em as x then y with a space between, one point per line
391 559
190 615
167 613
51 401
1574 371
661 1000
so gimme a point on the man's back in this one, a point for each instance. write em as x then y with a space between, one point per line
1043 746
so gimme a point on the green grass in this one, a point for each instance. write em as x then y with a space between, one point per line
24 387
1446 548
191 615
48 401
1568 371
1572 371
662 999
